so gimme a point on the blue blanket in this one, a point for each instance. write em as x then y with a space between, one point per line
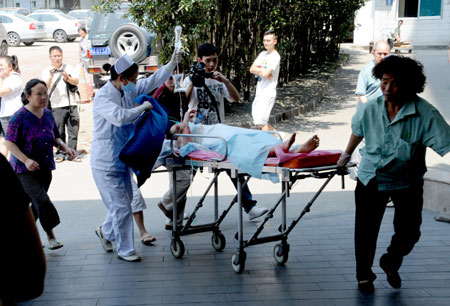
145 141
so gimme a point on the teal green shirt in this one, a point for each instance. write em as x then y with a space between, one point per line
395 151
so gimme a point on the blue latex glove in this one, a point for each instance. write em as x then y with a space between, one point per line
142 98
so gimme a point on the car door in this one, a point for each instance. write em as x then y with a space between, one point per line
51 23
7 22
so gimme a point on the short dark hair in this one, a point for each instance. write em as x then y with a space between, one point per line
271 32
207 49
52 48
82 29
126 74
408 73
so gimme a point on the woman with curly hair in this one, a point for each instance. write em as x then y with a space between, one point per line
397 128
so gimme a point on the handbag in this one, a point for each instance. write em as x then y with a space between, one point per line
72 88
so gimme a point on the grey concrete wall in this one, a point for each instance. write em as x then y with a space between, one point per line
436 192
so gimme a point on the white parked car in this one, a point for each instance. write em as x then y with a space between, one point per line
20 28
61 27
85 17
48 11
15 10
3 41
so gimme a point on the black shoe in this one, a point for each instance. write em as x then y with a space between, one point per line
166 213
366 286
393 277
169 227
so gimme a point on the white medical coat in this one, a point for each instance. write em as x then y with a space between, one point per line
114 113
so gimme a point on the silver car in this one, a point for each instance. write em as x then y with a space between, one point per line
3 41
22 29
15 10
61 27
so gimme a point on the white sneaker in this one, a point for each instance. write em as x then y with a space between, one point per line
130 258
106 244
256 212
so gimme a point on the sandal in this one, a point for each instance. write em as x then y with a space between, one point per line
54 244
59 159
76 159
148 239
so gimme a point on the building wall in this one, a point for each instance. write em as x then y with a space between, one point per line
378 18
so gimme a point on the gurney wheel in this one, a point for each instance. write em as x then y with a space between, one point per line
177 248
218 241
281 253
238 262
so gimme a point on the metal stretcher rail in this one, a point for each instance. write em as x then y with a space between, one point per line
288 178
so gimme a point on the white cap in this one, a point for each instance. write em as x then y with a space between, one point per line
123 63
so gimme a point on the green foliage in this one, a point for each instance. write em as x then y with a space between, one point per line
309 31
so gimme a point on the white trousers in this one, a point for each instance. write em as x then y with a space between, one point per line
117 193
261 108
138 202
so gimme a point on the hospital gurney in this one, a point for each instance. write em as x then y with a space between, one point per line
288 178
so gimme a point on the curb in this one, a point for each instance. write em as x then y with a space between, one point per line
304 108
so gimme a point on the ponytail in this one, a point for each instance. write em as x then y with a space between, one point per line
12 62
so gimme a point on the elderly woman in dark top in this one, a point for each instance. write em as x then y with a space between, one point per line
397 128
31 135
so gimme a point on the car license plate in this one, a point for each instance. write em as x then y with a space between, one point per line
40 27
100 51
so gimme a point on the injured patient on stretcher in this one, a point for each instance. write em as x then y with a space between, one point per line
247 149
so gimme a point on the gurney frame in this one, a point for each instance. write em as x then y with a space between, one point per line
288 178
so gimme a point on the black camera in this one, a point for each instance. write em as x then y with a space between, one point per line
198 74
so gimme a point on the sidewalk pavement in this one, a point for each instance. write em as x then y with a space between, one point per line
321 266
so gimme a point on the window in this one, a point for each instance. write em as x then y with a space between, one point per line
5 19
419 8
47 18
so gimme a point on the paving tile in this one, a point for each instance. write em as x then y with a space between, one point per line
77 294
77 302
439 292
195 298
130 301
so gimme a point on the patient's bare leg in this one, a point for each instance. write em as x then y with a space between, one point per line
310 145
284 146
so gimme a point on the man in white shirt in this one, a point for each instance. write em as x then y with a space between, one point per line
266 67
62 100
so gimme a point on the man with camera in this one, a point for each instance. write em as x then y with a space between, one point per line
206 89
61 80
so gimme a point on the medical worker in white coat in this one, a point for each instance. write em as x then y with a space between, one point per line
114 112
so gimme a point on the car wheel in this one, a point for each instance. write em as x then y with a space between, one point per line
13 39
3 48
70 39
28 43
60 36
128 39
